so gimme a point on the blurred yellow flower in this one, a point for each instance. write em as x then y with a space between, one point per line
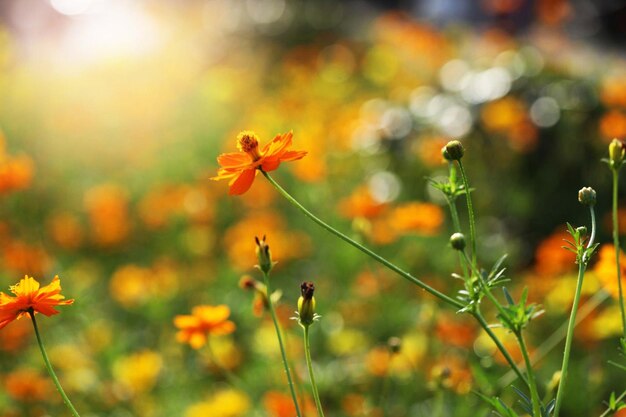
605 269
223 403
133 285
137 373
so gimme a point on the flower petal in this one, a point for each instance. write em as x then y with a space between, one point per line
242 182
234 159
293 155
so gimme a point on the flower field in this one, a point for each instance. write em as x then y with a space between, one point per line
281 208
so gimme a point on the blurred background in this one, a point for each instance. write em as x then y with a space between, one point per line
112 114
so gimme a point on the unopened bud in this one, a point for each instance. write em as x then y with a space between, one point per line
394 344
457 241
616 153
246 282
453 151
264 255
306 304
587 196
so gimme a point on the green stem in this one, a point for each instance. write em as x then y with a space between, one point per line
534 393
405 275
559 334
439 403
457 228
479 317
503 313
617 400
568 339
617 250
455 215
280 342
484 284
470 211
309 364
66 400
454 303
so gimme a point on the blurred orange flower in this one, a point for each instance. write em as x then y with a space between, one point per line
613 125
361 203
16 173
29 297
107 206
420 218
27 385
204 320
551 259
241 167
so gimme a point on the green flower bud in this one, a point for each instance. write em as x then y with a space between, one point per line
306 304
587 196
616 153
453 151
264 255
457 241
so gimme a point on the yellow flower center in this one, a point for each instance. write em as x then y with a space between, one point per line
248 142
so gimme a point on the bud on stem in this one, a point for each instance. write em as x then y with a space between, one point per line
264 255
306 304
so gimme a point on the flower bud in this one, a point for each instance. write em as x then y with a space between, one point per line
246 282
453 151
616 153
587 196
394 344
306 304
264 255
457 241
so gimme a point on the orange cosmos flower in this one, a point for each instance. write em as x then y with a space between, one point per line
240 168
204 320
29 297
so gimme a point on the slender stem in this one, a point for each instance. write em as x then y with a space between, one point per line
559 334
534 393
439 403
309 364
479 317
592 238
457 228
455 215
454 303
568 339
617 250
470 211
405 275
609 411
280 342
480 277
66 400
495 301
